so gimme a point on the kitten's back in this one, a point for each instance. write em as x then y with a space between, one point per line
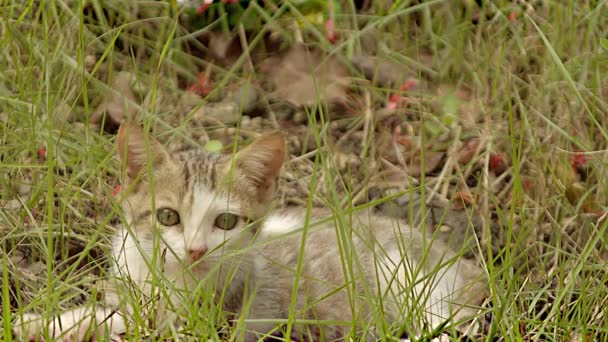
373 255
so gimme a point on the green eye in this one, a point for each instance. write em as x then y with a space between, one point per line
226 221
167 217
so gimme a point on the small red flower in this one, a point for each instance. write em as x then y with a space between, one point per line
330 31
407 85
578 159
512 16
497 162
116 190
394 100
202 86
201 9
41 152
526 185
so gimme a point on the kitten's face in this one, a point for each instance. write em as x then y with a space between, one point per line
201 206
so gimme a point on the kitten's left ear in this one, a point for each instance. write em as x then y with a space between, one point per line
260 163
134 149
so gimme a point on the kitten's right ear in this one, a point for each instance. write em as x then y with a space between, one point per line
134 149
260 163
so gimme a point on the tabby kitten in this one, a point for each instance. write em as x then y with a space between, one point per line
195 217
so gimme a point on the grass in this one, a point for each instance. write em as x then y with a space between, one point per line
528 85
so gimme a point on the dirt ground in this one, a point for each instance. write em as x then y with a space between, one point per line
486 120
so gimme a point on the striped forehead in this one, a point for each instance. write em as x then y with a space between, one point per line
199 169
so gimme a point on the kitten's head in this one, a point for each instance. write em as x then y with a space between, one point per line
200 203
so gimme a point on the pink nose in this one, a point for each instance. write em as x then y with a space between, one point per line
197 253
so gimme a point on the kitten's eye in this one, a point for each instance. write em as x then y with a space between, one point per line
226 221
167 217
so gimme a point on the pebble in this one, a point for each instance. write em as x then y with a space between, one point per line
13 204
445 228
246 97
227 113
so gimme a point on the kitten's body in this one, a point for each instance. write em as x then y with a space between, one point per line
350 263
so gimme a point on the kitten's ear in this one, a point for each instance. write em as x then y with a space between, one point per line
260 163
134 149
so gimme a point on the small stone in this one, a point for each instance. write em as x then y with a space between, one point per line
13 204
227 113
37 267
245 97
404 200
445 228
139 88
89 62
23 189
300 117
245 121
190 100
18 259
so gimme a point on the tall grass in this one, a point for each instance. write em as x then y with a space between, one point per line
534 82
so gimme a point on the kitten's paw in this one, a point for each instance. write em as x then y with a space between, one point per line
27 327
251 337
71 326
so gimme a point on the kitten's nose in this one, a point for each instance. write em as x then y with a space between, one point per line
197 253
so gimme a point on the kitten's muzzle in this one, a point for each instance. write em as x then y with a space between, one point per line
196 253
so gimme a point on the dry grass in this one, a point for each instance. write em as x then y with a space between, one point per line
504 127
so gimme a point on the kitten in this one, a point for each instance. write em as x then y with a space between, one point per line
197 218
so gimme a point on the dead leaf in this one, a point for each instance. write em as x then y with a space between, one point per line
222 48
462 199
304 77
380 71
577 191
432 160
468 151
116 106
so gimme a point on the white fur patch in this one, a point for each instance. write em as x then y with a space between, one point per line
199 229
129 260
197 232
281 223
437 290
